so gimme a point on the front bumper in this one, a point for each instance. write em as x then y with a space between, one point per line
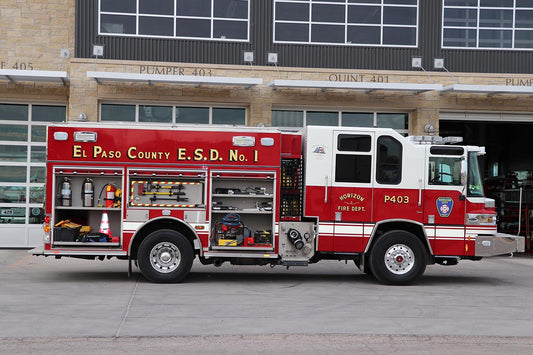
37 251
499 244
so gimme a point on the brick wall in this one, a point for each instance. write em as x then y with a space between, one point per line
32 34
38 30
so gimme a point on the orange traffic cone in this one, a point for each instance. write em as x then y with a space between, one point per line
104 225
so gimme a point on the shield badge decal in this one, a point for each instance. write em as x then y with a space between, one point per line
444 206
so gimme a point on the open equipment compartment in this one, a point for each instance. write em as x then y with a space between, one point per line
242 210
167 188
81 197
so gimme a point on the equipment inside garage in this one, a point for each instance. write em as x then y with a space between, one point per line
507 169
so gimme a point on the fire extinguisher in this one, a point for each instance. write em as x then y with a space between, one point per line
87 193
66 192
109 195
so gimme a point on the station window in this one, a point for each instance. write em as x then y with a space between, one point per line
121 113
173 114
357 119
297 118
354 22
494 24
321 118
190 19
192 115
287 118
22 160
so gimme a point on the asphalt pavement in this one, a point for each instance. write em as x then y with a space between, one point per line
71 305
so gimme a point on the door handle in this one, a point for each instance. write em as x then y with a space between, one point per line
326 189
419 192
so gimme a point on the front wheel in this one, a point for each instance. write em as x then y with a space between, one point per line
165 256
398 258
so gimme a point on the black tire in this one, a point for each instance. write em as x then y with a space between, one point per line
398 258
165 256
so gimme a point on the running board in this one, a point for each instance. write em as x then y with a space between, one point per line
295 263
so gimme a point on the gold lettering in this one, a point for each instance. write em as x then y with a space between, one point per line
76 151
351 195
213 154
233 155
97 150
182 154
198 154
396 199
132 152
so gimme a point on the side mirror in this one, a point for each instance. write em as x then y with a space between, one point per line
464 172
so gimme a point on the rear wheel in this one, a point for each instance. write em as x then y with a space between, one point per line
398 258
165 256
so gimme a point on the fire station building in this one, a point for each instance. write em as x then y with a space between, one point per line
448 67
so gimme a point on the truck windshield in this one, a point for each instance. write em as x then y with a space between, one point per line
475 184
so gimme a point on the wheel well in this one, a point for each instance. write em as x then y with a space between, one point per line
148 228
413 228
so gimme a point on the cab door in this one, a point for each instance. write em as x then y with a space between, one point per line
351 187
444 199
398 193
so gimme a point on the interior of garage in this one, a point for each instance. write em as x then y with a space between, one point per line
507 168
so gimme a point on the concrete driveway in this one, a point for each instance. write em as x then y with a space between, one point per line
71 301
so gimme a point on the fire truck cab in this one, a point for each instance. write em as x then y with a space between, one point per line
161 197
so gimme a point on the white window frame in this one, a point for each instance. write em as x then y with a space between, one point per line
211 18
29 163
174 107
513 29
339 117
346 23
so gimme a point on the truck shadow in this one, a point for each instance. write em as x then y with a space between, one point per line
435 280
356 278
269 277
273 277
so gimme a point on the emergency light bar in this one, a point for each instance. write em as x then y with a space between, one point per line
435 140
452 140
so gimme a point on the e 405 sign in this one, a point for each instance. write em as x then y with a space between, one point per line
17 65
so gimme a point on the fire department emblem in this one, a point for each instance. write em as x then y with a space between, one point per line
319 149
319 152
444 206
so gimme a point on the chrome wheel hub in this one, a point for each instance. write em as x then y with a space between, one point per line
165 257
399 259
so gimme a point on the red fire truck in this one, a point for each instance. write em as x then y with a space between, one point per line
161 197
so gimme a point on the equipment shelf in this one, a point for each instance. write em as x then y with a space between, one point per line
88 216
248 197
